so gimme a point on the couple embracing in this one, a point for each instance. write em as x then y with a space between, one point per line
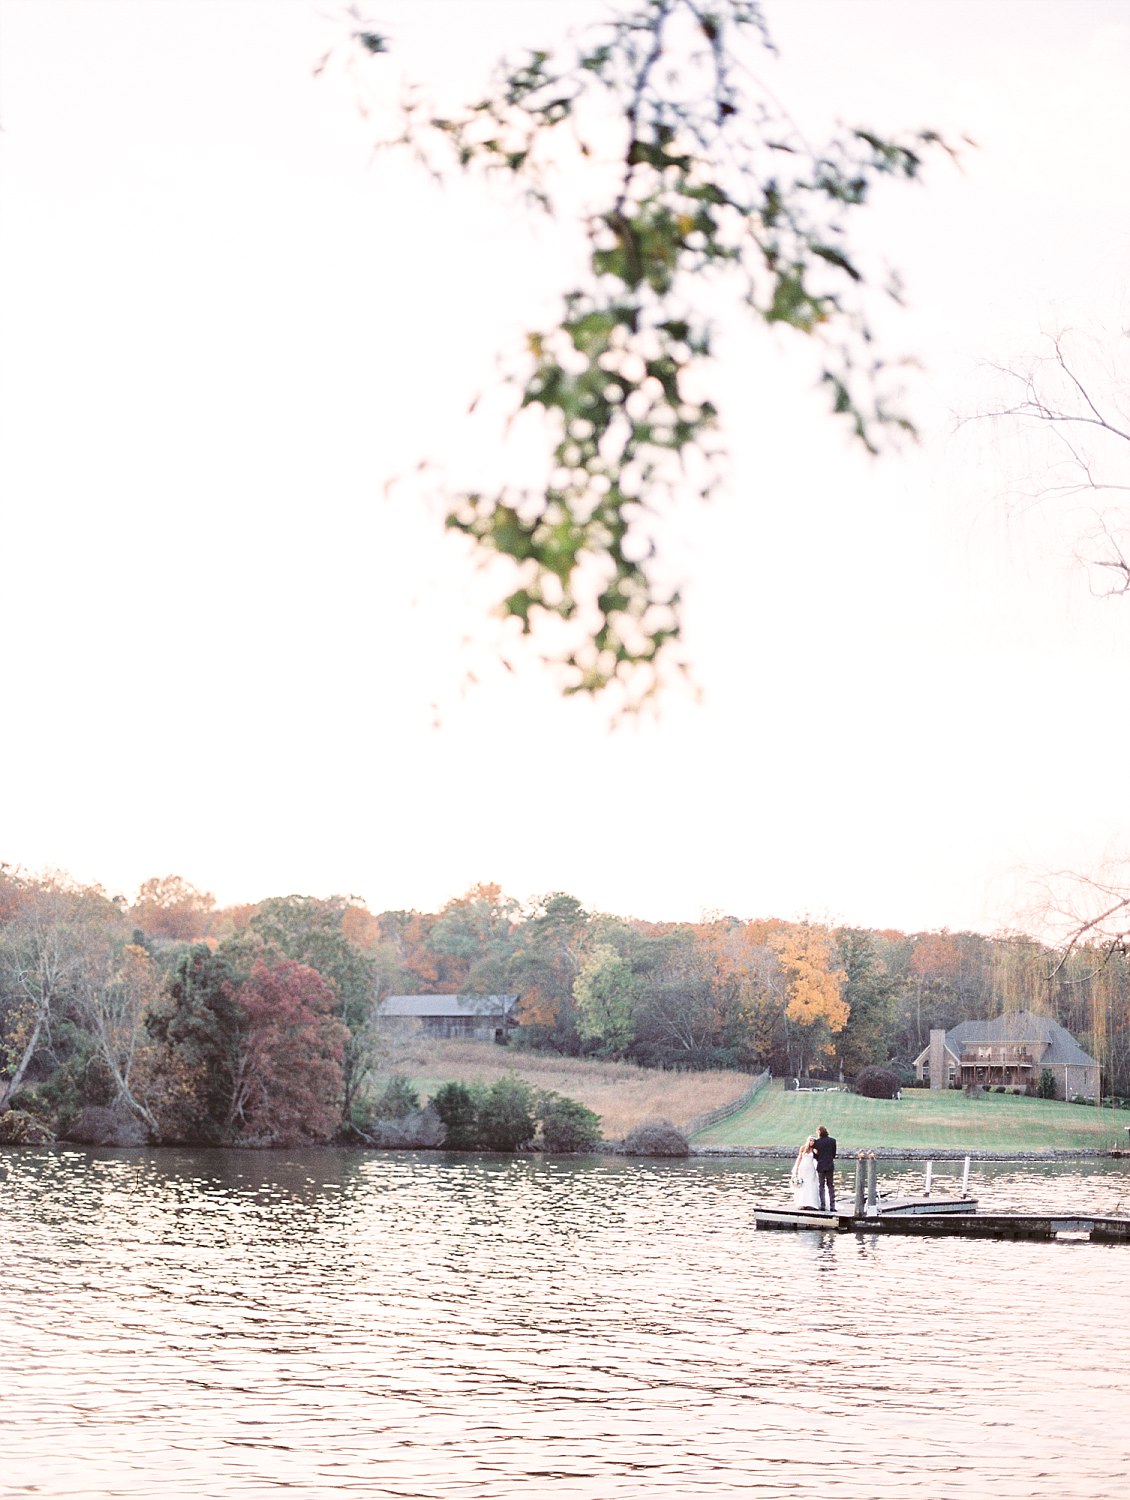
814 1172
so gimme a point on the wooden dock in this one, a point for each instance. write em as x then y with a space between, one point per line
965 1221
871 1213
767 1217
1007 1226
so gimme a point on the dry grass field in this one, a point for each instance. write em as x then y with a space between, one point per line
620 1093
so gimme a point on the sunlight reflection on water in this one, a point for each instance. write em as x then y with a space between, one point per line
232 1324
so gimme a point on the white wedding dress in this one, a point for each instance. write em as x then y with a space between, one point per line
806 1185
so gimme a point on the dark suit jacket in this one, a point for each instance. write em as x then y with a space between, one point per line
825 1152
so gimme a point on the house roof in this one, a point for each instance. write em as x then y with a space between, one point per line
1023 1026
448 1005
925 1053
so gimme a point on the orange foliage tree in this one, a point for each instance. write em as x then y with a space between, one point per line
545 961
472 939
746 980
814 982
168 907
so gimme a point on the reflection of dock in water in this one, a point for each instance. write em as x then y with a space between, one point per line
871 1213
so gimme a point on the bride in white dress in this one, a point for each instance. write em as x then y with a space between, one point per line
805 1183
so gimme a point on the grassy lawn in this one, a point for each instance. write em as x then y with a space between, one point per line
920 1120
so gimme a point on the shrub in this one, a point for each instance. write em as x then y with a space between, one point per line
18 1128
98 1125
567 1125
876 1082
693 1059
506 1115
396 1100
458 1108
656 1138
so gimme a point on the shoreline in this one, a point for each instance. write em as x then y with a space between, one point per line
918 1153
612 1148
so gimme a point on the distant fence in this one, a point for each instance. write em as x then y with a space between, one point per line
724 1111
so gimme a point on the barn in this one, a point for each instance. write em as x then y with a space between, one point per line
479 1017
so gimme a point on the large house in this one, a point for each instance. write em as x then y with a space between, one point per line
481 1017
1012 1050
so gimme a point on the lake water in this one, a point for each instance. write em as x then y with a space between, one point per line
223 1324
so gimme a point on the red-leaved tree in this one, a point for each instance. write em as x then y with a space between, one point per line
288 1066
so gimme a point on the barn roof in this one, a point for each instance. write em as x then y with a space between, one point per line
448 1005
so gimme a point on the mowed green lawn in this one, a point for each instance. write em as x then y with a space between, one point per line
920 1120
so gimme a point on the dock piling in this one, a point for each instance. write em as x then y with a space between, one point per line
928 1180
872 1184
965 1180
860 1184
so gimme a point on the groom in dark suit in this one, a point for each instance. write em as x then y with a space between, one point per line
824 1149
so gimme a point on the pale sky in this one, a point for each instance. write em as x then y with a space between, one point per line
231 652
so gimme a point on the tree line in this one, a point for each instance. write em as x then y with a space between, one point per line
168 1018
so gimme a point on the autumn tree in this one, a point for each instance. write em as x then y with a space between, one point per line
606 992
404 936
933 969
196 1029
870 992
467 946
168 907
287 1075
39 956
11 893
118 986
814 981
44 953
472 940
1022 974
695 199
227 921
544 963
749 981
310 931
677 1012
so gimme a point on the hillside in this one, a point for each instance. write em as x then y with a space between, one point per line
920 1120
623 1095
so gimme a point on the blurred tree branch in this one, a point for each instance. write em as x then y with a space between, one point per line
704 201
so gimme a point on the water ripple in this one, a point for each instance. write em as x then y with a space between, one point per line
237 1324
